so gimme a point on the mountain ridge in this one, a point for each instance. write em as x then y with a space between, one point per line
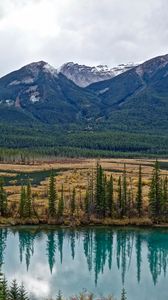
83 75
42 110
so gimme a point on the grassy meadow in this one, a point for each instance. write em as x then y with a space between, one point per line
72 173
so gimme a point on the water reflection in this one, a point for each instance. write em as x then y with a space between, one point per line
101 260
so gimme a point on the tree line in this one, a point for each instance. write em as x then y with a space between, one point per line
101 199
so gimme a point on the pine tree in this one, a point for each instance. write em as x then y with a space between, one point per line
98 188
22 293
52 196
22 202
28 201
61 203
124 192
119 192
59 296
129 203
123 295
139 200
100 191
3 199
155 194
104 196
165 197
86 203
110 198
73 201
3 287
14 291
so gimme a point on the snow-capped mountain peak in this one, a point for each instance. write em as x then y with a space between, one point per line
85 75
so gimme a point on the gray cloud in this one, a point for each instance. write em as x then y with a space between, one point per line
86 31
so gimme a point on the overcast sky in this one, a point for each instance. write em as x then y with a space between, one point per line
85 31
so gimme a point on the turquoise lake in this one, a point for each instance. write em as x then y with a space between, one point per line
99 260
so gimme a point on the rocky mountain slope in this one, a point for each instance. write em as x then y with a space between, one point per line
136 100
38 92
83 75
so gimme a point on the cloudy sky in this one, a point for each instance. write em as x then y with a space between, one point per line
85 31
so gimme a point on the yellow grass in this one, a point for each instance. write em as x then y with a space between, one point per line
75 173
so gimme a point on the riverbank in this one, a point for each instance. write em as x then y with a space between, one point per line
137 222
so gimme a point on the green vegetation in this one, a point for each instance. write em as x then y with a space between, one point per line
52 196
28 144
3 200
101 201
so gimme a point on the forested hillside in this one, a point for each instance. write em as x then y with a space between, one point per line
42 111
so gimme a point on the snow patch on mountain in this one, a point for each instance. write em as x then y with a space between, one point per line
50 69
27 80
85 75
35 97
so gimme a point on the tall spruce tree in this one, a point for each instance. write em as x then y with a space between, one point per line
110 198
22 202
139 200
61 203
100 191
22 293
3 199
3 287
165 198
155 194
52 196
28 201
119 196
86 203
73 201
124 191
14 291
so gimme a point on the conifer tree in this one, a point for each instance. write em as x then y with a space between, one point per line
28 202
86 203
3 199
155 194
110 198
129 203
3 287
119 192
52 196
22 293
104 196
165 197
22 202
100 191
59 296
139 200
14 291
98 188
124 192
73 201
61 203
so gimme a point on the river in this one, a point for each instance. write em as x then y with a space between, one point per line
99 260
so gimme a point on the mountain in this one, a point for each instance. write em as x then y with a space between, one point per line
41 109
83 75
138 98
37 92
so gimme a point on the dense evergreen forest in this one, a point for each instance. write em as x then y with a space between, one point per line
19 143
101 200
